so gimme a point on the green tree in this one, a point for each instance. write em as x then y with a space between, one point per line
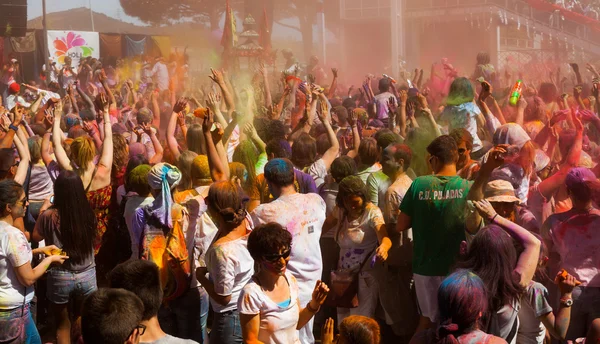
163 12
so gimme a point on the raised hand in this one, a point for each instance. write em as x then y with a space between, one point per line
217 76
559 116
147 128
324 113
521 104
575 67
486 90
577 91
353 118
103 102
214 101
311 78
422 101
485 209
18 113
403 97
250 130
496 156
327 333
180 105
334 71
566 282
320 293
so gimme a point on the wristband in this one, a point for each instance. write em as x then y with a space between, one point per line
310 309
493 218
13 127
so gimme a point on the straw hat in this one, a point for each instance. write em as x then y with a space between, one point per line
500 191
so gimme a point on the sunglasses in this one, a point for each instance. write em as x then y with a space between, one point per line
275 257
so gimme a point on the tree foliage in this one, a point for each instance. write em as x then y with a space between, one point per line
160 12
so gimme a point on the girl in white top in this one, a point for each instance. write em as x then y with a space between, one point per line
229 264
17 276
270 311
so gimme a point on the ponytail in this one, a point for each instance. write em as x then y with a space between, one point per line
447 333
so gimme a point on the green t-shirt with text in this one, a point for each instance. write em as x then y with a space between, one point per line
437 206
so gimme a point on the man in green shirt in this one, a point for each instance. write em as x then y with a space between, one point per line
435 206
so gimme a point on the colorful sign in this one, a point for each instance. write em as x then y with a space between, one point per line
75 44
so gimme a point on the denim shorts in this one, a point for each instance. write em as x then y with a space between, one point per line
64 284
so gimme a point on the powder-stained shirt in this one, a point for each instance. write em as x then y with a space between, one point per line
302 216
575 236
14 252
230 267
277 323
377 185
533 305
437 206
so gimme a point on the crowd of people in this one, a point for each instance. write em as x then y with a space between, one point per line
137 206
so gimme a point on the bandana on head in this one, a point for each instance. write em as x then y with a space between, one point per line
163 177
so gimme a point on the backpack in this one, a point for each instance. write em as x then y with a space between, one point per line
166 247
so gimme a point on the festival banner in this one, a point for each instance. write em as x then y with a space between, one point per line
75 44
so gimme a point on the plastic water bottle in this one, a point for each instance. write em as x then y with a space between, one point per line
515 93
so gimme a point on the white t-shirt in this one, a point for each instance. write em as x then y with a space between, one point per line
318 171
230 267
303 216
14 252
393 198
533 305
200 230
277 324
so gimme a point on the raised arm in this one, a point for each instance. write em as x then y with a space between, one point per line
402 100
158 149
59 151
214 104
265 76
353 120
46 155
111 97
106 158
552 183
217 171
217 77
495 159
155 109
529 258
250 131
334 150
86 99
427 112
333 86
23 150
172 125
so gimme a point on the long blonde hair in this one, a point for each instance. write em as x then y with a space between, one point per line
83 151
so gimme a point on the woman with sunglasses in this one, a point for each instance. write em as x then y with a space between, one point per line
229 264
17 276
270 311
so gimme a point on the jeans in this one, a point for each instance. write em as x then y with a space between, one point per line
64 284
185 317
17 327
226 328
